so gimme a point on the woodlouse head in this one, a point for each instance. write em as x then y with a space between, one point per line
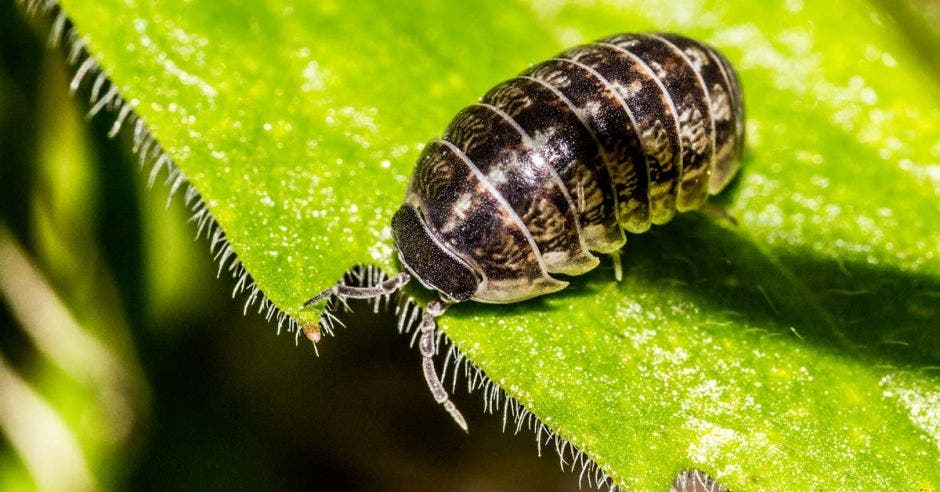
428 260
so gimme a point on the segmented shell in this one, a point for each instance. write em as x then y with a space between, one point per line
557 162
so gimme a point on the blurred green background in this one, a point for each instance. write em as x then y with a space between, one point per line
125 364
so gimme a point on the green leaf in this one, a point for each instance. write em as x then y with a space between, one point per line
797 350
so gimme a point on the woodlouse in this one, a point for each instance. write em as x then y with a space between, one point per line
556 163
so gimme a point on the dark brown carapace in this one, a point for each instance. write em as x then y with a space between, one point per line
555 164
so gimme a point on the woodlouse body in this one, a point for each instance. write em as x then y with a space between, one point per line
556 163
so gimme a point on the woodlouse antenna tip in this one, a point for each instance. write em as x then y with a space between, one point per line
456 415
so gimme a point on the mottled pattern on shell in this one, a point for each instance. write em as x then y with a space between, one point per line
557 162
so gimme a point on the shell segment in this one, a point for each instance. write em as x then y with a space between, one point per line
517 169
728 168
655 117
568 147
721 96
691 103
613 125
471 218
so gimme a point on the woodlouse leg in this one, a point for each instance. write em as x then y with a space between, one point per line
428 327
347 292
618 266
718 213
